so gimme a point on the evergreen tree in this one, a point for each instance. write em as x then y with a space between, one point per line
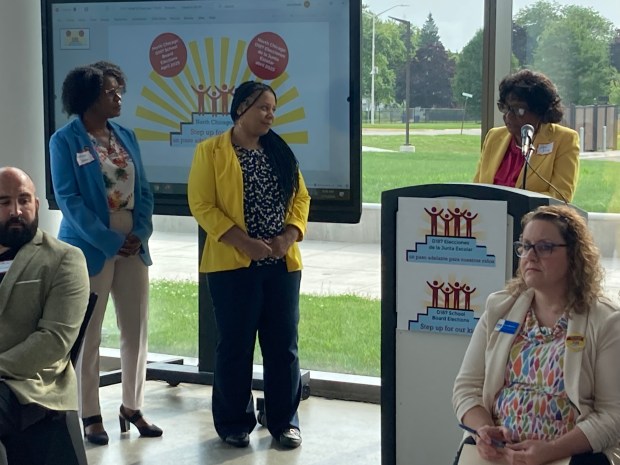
431 70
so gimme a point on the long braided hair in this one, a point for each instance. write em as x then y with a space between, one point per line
279 154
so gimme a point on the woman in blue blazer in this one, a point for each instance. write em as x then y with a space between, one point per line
107 206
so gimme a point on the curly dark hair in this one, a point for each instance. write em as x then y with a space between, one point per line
537 91
280 155
585 271
82 86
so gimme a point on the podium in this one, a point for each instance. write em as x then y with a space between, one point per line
444 249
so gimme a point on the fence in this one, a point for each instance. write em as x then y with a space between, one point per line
417 115
599 123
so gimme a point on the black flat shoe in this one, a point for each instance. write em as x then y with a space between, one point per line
99 439
238 440
290 438
149 431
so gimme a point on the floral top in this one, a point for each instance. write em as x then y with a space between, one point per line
534 403
264 209
118 173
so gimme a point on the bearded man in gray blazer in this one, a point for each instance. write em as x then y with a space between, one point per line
44 292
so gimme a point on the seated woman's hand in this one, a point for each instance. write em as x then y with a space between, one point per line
529 452
484 442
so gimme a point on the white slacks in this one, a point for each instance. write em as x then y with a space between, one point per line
127 280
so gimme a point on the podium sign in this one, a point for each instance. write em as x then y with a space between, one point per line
447 264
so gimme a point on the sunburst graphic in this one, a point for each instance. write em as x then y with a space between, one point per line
194 104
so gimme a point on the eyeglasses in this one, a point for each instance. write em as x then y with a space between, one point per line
114 91
541 249
504 108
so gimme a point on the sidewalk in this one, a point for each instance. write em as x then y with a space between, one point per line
329 267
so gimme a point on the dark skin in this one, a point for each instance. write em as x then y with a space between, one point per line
253 123
95 119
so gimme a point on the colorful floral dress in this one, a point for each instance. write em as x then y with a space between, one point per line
533 402
118 173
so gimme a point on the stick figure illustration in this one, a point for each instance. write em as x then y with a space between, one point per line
214 96
456 297
457 215
468 291
434 214
435 286
446 296
225 91
446 217
200 95
469 219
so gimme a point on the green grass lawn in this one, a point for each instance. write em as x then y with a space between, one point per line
336 333
342 333
453 158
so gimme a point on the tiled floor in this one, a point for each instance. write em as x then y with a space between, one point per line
334 433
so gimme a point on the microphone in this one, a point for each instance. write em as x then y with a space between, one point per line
527 136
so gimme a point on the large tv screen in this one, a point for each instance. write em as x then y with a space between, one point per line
183 60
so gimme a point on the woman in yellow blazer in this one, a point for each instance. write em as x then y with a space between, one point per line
528 97
246 191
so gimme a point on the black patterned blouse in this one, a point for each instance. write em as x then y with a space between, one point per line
264 209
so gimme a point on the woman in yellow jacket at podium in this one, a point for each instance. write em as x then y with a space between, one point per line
246 191
528 97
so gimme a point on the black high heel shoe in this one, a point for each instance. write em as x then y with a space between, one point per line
100 439
149 431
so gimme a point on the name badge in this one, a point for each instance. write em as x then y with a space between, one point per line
575 342
4 266
545 149
506 326
84 157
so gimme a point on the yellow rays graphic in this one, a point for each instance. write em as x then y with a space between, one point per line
169 103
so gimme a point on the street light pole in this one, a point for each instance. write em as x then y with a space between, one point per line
407 147
373 68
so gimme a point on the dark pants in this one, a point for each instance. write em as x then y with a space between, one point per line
581 459
15 417
263 299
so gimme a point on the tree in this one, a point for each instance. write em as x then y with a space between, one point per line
468 75
529 24
431 70
389 56
574 52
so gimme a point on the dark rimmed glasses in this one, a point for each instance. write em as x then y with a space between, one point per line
504 108
541 249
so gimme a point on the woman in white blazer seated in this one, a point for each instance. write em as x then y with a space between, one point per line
542 373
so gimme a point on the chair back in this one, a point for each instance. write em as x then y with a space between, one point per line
77 345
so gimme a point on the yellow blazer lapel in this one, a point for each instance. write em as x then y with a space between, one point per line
25 254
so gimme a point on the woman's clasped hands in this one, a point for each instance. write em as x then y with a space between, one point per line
528 452
131 246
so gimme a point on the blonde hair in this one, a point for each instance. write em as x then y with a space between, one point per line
585 274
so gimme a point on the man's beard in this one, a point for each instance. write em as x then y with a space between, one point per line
15 238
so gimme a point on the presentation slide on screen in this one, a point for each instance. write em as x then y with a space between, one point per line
183 61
